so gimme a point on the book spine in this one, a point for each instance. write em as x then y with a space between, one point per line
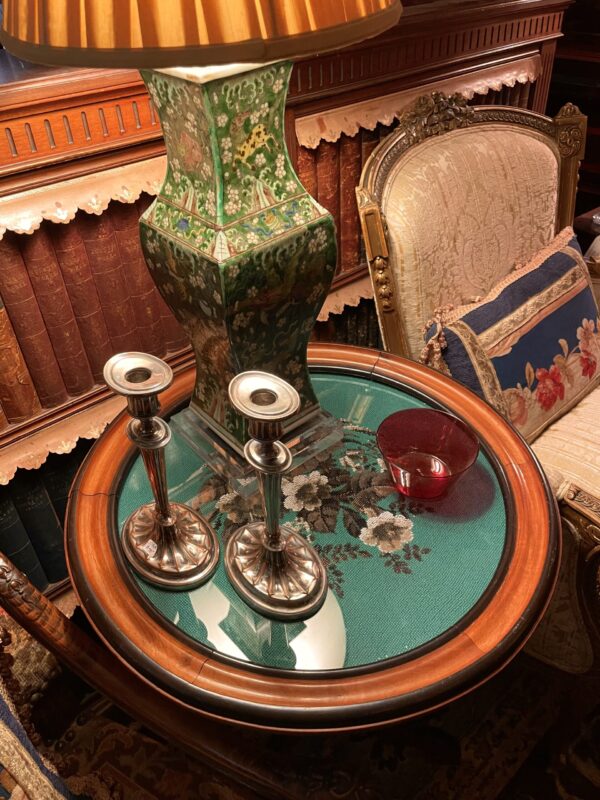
107 269
17 393
307 169
16 545
41 522
350 169
142 290
173 336
328 179
55 306
3 419
58 473
79 282
28 324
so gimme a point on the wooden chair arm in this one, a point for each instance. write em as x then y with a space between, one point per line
215 742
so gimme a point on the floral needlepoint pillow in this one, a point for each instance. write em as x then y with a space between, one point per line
531 347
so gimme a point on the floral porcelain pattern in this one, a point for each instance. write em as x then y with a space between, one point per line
546 387
238 249
350 491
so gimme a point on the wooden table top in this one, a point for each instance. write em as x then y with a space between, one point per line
390 674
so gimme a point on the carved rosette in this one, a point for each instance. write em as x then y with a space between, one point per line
434 114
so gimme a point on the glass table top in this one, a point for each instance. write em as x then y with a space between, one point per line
403 574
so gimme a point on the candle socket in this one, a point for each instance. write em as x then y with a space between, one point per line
167 544
271 566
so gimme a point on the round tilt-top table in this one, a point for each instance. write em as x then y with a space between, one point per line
426 599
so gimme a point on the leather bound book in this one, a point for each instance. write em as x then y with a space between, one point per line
307 169
58 473
109 275
41 522
328 179
349 233
15 543
73 262
142 290
174 335
17 393
28 324
53 300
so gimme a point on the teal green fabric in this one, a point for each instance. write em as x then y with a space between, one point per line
380 604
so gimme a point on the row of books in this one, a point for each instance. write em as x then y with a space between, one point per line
32 514
71 296
330 173
358 326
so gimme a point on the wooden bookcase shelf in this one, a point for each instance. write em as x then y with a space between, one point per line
60 124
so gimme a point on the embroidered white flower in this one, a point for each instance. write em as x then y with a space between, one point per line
252 292
388 532
226 143
226 156
306 492
254 117
291 186
260 160
222 120
264 109
252 238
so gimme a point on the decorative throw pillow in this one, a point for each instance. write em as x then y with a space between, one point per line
531 347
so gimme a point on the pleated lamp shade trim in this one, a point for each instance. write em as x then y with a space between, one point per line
68 32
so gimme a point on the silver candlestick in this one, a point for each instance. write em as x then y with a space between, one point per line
168 544
271 566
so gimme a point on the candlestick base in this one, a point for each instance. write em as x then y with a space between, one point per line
289 583
179 553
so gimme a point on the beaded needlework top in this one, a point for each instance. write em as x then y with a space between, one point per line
402 573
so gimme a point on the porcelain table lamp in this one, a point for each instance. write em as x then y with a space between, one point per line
239 250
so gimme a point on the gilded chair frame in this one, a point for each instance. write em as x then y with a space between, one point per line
434 115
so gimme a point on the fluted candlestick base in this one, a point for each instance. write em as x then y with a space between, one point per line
288 583
178 553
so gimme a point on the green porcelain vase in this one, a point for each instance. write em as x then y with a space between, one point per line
240 252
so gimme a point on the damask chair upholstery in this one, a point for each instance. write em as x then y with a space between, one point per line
450 203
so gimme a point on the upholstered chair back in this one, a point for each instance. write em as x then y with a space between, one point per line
462 196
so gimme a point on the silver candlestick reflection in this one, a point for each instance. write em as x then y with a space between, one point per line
168 544
272 567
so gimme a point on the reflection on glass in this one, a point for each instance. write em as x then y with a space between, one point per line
235 630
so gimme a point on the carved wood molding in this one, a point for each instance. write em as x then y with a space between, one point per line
69 116
587 507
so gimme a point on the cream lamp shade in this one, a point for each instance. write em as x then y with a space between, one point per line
167 33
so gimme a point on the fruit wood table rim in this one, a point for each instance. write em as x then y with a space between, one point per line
316 703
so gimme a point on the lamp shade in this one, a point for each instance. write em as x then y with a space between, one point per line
167 33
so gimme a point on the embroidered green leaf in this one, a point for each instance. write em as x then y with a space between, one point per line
565 346
529 374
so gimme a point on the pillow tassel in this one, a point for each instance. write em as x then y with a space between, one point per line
431 354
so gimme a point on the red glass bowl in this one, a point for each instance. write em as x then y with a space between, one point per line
426 451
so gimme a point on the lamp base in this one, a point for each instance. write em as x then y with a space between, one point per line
179 555
286 584
317 434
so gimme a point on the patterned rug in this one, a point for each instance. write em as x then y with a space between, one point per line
530 733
